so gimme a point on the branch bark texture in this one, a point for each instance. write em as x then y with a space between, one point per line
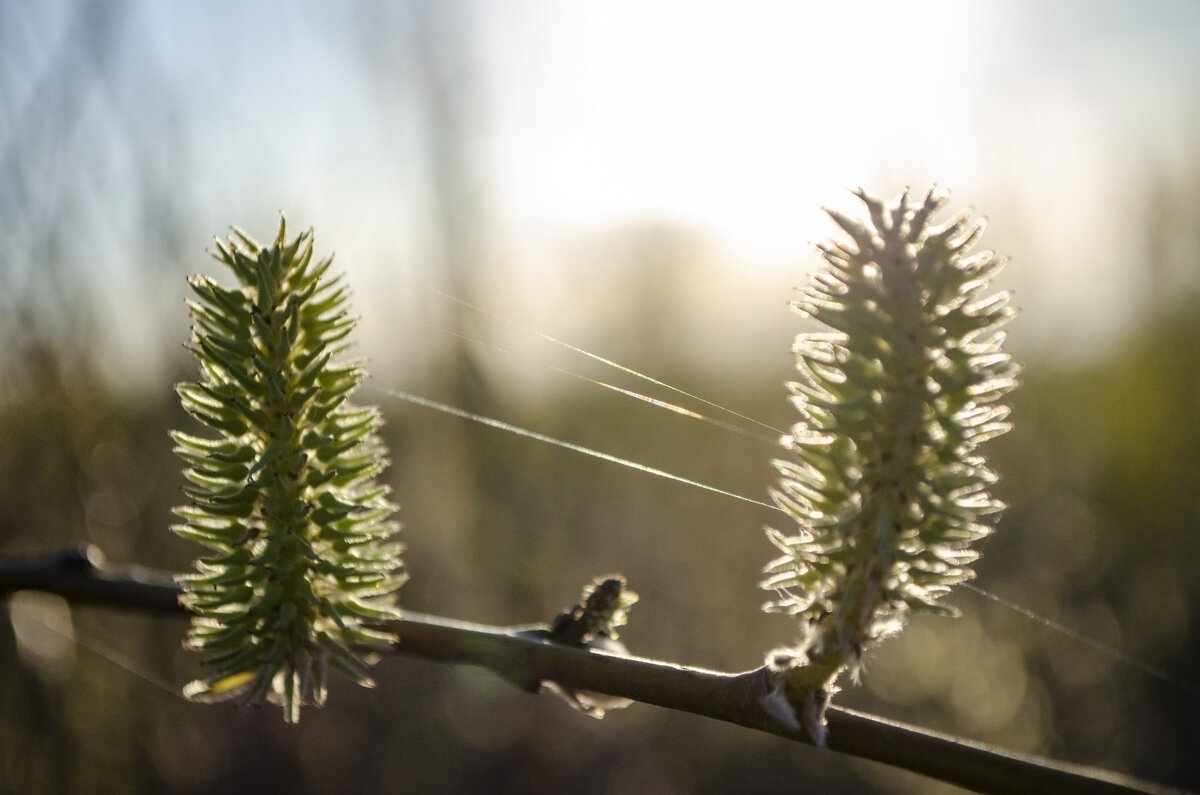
526 657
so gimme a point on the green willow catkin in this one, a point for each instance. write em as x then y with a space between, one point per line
883 479
302 570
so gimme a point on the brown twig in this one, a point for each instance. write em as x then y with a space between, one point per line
526 656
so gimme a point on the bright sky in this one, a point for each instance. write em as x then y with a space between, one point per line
740 118
736 121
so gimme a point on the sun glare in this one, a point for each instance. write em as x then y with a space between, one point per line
739 121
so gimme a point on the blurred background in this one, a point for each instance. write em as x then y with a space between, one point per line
643 180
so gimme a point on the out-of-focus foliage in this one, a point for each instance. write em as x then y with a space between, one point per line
1101 473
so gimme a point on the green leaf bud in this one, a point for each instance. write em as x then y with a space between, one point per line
302 573
883 478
